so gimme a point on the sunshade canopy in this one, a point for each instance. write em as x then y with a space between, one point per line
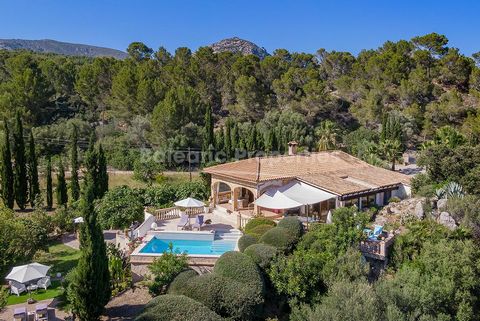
28 272
189 202
78 220
292 195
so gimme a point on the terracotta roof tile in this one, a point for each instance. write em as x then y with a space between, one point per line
334 171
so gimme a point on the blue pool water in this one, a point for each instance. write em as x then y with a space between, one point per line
194 247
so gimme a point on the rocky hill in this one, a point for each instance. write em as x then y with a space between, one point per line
61 48
237 45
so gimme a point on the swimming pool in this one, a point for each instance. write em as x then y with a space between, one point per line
193 243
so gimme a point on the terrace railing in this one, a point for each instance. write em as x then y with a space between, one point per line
170 213
377 249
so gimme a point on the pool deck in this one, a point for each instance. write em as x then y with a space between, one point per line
218 223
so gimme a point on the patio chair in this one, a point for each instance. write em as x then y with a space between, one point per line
17 288
44 283
41 312
20 314
183 221
198 222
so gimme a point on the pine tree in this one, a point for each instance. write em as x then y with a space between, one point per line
102 174
20 169
34 186
7 171
89 290
208 138
62 197
49 184
74 185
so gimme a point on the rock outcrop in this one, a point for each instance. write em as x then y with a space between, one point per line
237 45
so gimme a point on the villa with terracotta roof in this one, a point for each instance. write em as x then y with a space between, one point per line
307 184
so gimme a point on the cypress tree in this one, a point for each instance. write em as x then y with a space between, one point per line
227 140
89 290
91 164
49 183
208 138
74 185
34 186
62 197
252 140
219 140
234 138
7 171
102 174
20 169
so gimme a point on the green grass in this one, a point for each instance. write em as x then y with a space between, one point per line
62 258
53 291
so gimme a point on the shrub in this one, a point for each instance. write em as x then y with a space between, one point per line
240 267
261 254
256 222
225 296
293 225
176 308
146 169
181 281
259 230
280 238
165 268
159 196
196 189
394 199
245 241
119 208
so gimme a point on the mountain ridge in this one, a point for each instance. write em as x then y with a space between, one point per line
61 48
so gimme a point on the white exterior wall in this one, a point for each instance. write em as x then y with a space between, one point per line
402 192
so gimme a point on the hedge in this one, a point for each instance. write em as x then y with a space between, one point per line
245 241
176 308
256 222
240 267
259 230
181 281
293 225
225 296
261 254
279 237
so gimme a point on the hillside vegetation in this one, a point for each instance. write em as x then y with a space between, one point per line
155 99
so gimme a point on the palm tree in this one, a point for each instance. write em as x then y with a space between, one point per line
391 150
327 134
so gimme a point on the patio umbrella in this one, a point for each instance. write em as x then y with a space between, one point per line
28 272
329 218
189 202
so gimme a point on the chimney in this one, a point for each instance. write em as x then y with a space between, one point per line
292 148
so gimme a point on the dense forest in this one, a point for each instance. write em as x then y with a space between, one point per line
161 101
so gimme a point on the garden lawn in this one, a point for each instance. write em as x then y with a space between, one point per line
62 258
55 290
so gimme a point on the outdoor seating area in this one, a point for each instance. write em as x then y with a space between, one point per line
28 277
39 314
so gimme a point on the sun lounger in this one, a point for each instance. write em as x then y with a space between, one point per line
20 314
375 234
17 288
41 312
44 283
198 222
183 221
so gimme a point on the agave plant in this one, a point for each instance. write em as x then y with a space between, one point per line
450 190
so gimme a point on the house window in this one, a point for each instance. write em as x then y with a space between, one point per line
351 202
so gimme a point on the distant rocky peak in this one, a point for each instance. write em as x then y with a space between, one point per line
237 45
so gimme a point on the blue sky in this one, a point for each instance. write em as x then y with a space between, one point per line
294 25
